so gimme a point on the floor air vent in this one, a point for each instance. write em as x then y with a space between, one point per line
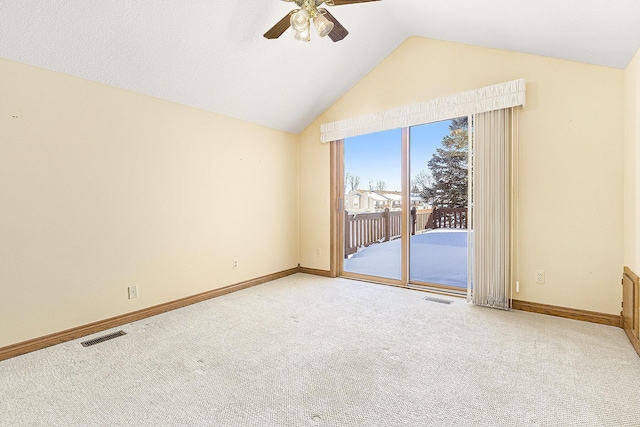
438 300
103 338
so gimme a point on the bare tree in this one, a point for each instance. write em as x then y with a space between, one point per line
421 184
381 185
351 182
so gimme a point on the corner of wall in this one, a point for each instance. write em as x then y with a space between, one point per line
632 164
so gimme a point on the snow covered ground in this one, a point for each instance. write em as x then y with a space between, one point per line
437 256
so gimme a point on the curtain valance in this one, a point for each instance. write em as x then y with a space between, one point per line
488 98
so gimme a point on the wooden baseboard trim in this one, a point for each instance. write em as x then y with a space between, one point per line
315 272
568 313
635 342
92 328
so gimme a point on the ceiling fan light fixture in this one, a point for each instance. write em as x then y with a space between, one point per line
300 20
309 10
323 25
304 35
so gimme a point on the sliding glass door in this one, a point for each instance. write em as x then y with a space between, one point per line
372 216
439 194
404 205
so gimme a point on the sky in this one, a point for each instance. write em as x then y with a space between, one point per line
376 156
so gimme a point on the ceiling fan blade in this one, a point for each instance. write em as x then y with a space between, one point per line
339 32
341 2
282 25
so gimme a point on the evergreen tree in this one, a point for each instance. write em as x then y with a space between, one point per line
449 168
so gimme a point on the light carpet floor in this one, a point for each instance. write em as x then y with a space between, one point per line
312 351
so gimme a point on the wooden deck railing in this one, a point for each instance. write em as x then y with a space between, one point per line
365 229
447 218
429 219
420 219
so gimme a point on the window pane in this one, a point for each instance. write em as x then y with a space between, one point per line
372 165
439 176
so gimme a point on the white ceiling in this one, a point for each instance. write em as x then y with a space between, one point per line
211 54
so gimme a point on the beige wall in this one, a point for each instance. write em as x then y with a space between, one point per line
571 146
632 165
102 188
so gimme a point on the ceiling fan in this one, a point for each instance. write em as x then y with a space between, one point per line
300 20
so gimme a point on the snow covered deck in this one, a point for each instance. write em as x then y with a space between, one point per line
437 256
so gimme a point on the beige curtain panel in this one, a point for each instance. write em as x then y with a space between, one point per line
493 219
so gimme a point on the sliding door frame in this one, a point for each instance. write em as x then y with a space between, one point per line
337 212
337 197
336 244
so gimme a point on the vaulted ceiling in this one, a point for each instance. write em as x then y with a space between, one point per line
211 54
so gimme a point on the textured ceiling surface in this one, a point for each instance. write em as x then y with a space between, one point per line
211 54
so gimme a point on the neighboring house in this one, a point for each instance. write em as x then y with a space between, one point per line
419 203
365 201
375 201
394 197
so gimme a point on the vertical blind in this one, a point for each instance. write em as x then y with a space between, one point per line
493 169
492 172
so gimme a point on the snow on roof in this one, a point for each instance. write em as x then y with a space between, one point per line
392 196
377 197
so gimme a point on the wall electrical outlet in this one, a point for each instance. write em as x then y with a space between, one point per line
540 276
235 264
133 292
